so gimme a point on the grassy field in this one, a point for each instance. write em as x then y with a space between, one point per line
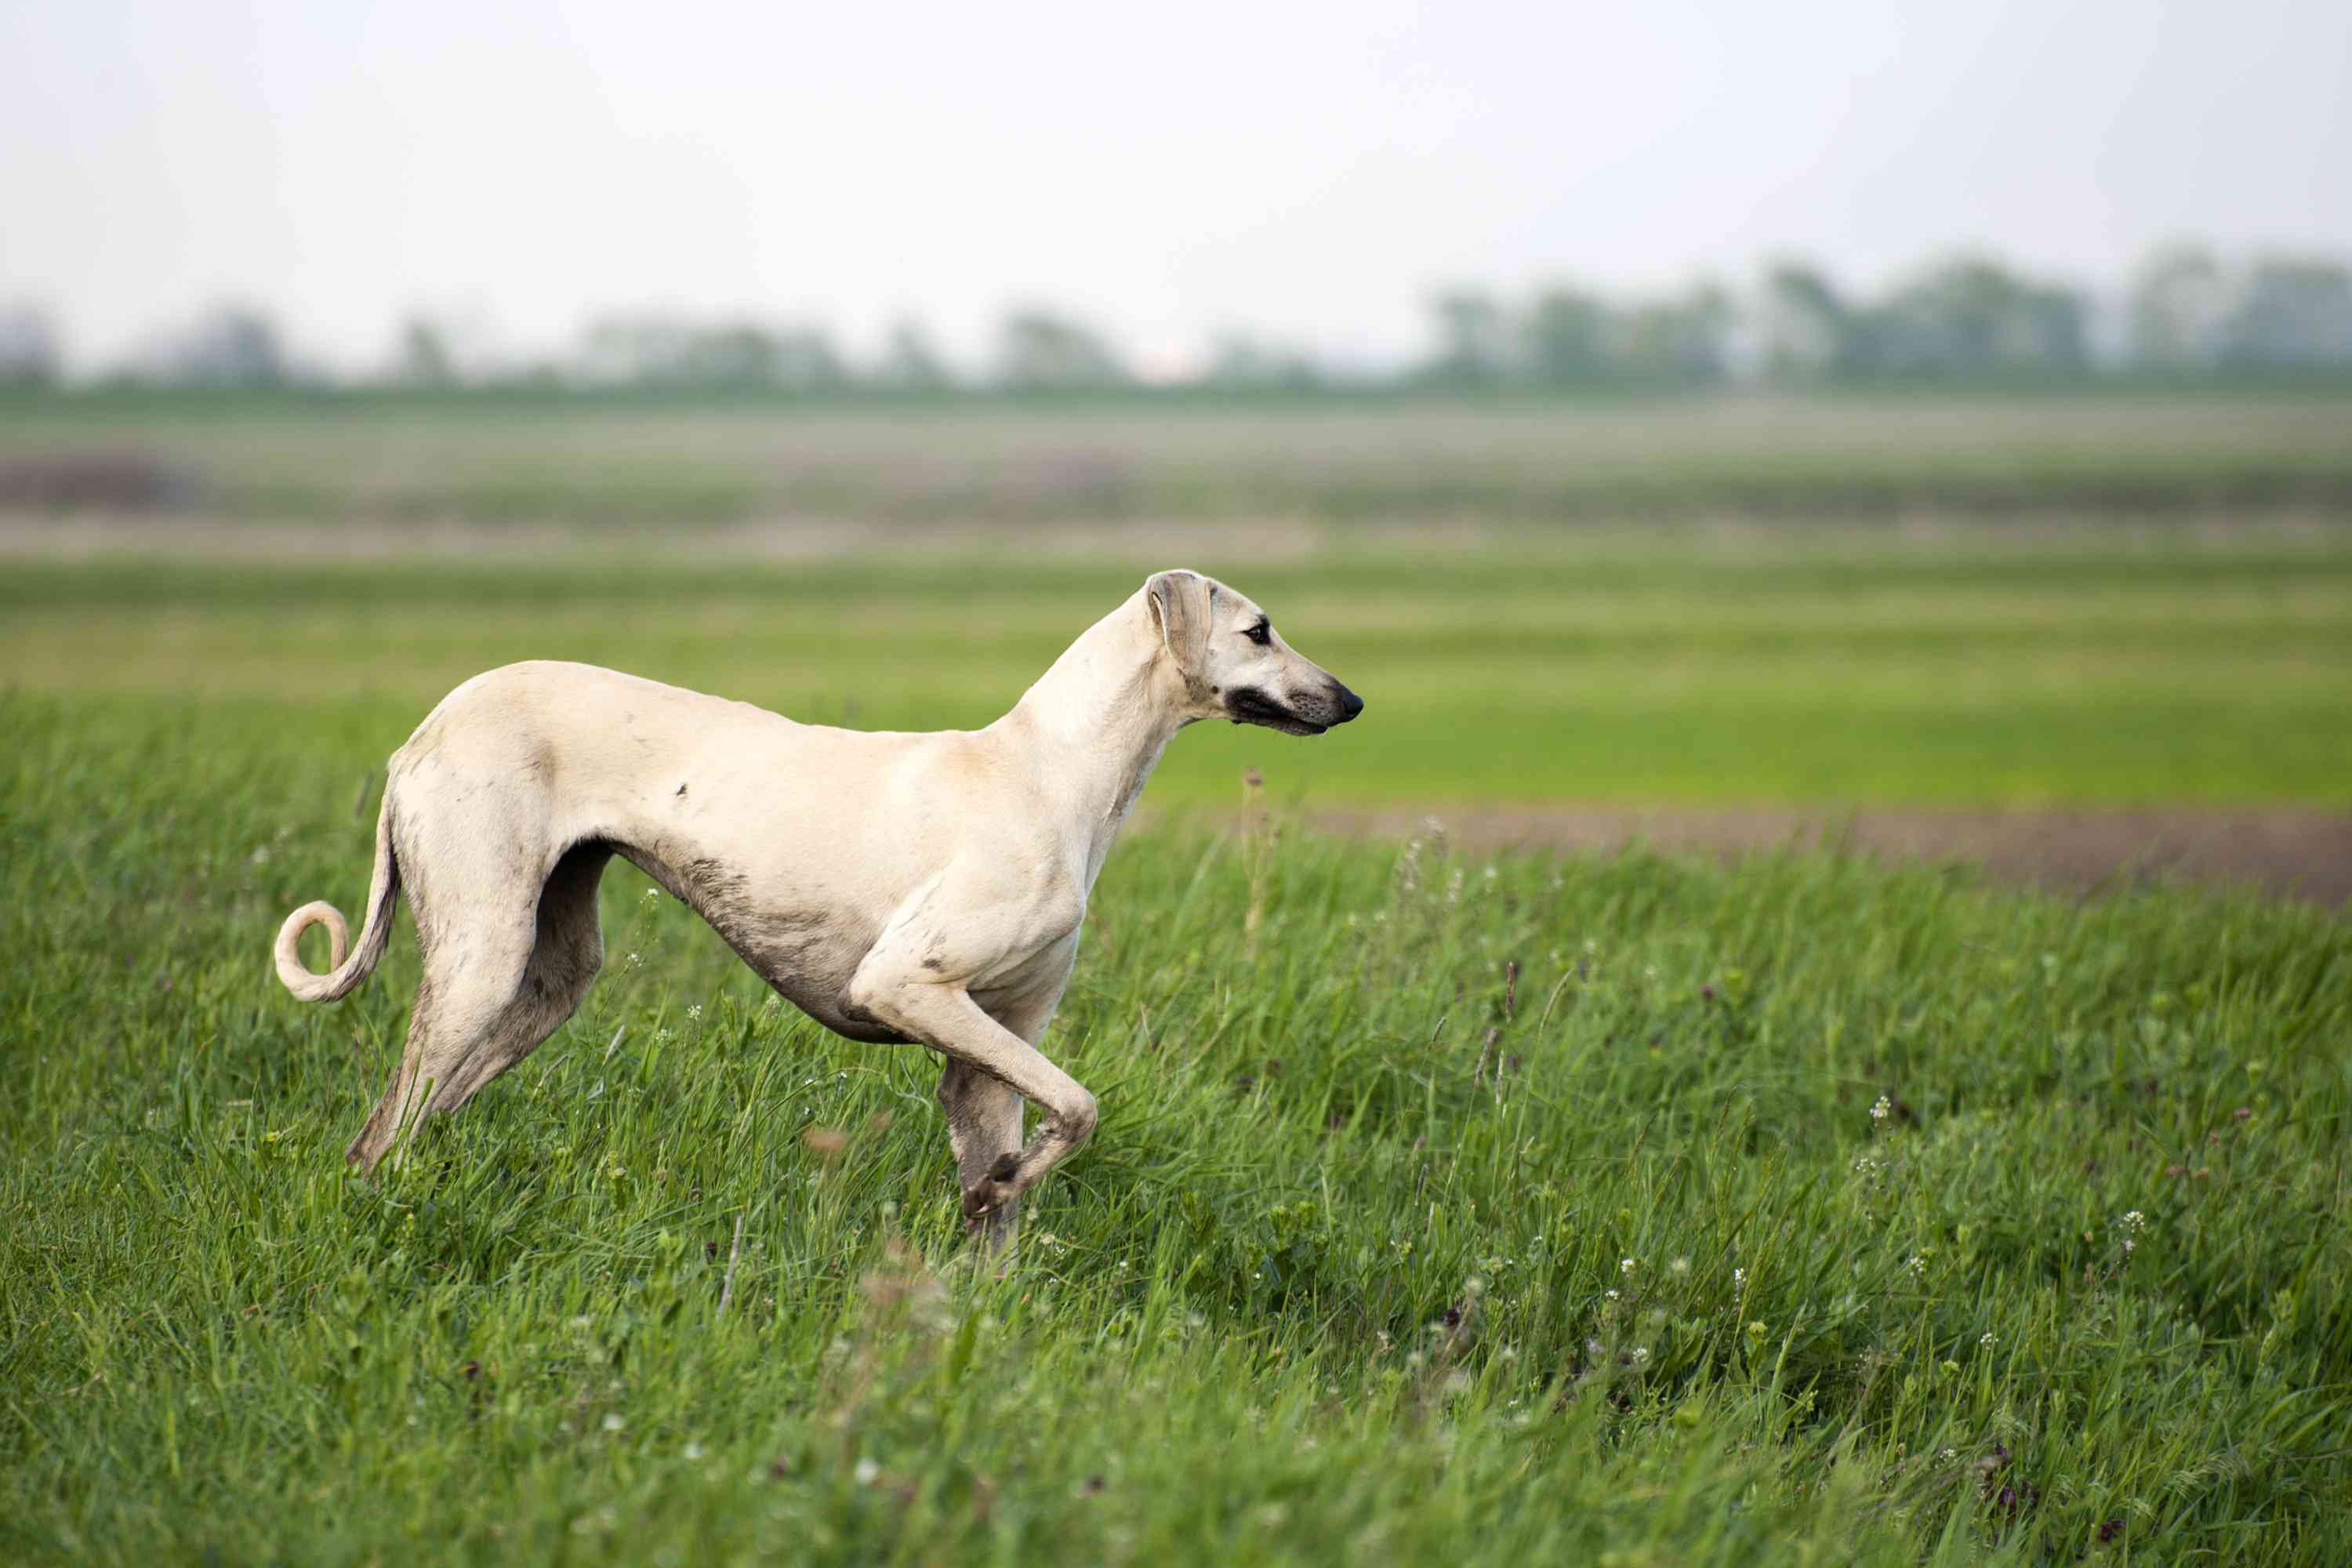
1638 1210
600 463
1799 1212
2085 667
2113 600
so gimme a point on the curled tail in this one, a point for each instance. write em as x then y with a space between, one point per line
384 892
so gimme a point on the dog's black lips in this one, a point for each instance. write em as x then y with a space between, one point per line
1248 705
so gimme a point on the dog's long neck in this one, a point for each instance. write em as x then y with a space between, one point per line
1100 716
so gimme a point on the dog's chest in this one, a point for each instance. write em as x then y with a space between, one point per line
806 955
802 946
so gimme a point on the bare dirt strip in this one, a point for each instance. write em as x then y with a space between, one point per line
2292 853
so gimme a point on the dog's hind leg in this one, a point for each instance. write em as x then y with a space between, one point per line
567 951
495 987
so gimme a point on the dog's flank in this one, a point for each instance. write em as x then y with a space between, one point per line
924 887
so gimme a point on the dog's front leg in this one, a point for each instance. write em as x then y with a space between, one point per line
912 998
983 1126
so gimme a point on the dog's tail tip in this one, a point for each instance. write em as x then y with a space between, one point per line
306 985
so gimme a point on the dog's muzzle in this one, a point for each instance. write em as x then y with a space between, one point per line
1306 713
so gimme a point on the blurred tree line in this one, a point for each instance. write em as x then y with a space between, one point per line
1969 319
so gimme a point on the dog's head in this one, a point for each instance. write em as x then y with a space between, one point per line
1235 665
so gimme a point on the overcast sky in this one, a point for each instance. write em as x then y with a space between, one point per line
1310 170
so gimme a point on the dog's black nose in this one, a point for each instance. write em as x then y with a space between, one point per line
1349 704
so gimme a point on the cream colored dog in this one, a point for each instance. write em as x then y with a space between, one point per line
924 887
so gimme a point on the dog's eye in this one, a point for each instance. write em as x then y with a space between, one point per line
1261 634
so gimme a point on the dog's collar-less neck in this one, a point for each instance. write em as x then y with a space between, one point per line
1102 722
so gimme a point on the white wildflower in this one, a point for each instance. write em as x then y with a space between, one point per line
1626 1266
695 1011
616 1421
1640 1355
1883 1110
1989 1340
866 1472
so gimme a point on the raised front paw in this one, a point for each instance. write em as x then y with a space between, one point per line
993 1191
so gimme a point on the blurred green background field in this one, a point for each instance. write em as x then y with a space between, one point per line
2126 599
665 460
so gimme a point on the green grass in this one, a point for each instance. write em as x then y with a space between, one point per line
2088 665
1335 1279
1375 1257
662 462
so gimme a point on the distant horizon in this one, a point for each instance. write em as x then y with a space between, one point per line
1746 335
1310 176
2106 297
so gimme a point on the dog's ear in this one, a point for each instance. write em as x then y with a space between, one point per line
1182 604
